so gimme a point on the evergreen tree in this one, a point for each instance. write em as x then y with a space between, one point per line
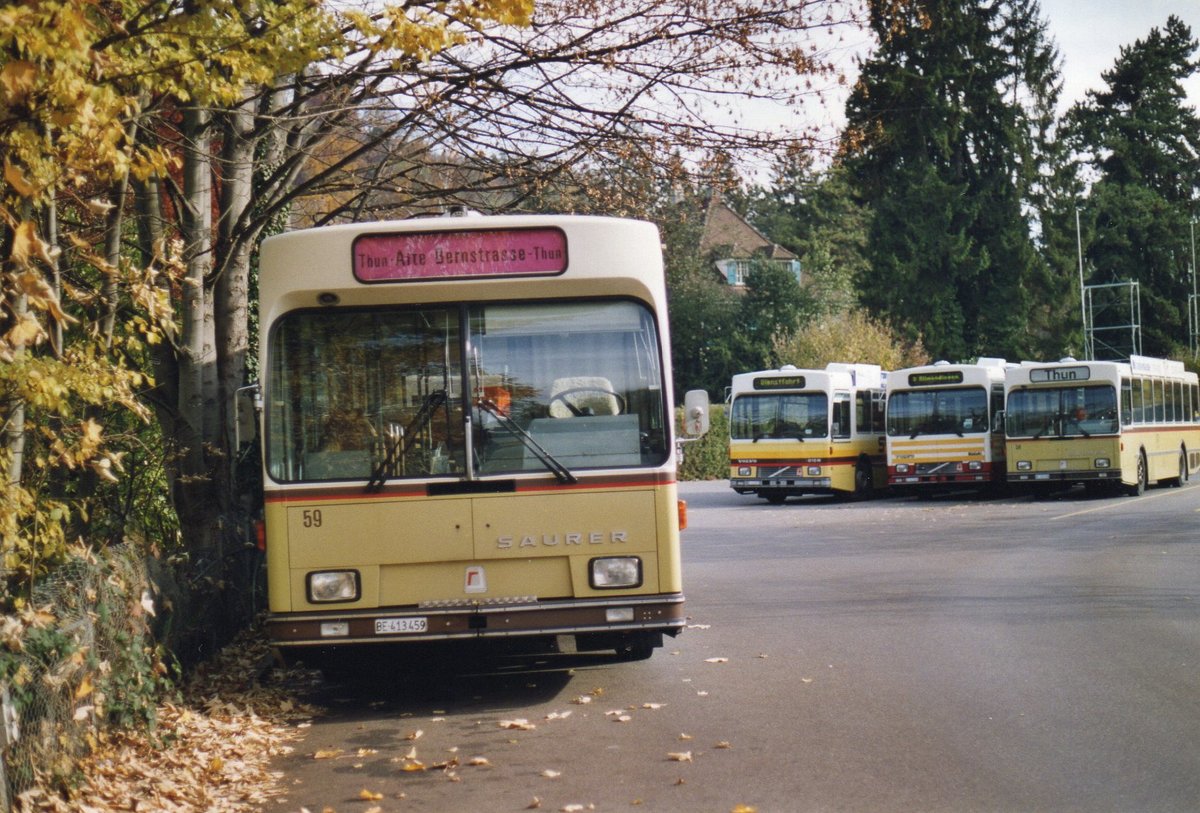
1141 141
945 142
812 213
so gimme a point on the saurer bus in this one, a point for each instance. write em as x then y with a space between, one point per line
1102 423
795 431
468 434
945 426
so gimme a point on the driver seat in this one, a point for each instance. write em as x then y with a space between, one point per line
593 396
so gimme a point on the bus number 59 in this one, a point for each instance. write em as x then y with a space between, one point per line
312 519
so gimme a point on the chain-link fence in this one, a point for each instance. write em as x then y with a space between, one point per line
79 654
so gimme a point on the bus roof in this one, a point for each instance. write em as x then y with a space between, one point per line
982 372
1070 370
593 256
835 374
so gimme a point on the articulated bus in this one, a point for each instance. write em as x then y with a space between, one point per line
945 425
468 435
1102 423
794 432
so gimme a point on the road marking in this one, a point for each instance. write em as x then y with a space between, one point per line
1142 498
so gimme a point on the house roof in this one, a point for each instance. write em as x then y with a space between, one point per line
725 227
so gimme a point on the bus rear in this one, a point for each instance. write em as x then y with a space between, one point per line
945 426
468 434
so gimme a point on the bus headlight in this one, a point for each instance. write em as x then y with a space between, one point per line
1102 462
332 585
1024 465
743 471
974 465
616 571
814 471
901 468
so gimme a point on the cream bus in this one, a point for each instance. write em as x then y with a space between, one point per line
945 425
1102 422
468 434
794 432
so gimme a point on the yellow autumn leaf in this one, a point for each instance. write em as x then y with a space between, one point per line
369 796
328 753
17 180
680 756
85 688
18 78
744 809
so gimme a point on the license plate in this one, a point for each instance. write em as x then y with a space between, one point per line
384 626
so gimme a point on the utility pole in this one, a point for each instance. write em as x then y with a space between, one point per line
1087 352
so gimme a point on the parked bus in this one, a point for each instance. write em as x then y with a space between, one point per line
1102 423
945 425
468 434
794 432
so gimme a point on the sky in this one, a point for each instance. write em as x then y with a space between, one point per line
1090 34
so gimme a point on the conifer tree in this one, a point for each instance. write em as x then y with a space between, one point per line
945 141
1141 141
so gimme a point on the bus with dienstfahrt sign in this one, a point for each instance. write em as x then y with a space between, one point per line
807 431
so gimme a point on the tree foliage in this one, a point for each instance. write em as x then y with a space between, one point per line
1140 143
148 145
945 142
850 336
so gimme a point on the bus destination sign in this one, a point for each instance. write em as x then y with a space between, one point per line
1050 375
445 255
935 379
786 382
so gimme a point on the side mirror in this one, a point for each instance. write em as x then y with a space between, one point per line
695 413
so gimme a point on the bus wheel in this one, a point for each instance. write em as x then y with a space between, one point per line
1139 488
863 481
1183 472
774 497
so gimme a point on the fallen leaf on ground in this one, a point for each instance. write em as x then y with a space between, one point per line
680 756
520 724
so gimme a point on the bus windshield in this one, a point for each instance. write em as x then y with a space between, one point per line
937 412
464 391
801 415
1062 412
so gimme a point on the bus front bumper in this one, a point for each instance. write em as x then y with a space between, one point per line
1078 476
746 485
445 621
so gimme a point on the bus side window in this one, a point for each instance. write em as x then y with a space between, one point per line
1126 402
841 415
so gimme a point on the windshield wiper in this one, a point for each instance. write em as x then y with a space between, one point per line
561 472
399 447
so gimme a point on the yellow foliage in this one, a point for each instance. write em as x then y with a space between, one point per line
851 336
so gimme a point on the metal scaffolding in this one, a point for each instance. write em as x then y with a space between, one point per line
1112 321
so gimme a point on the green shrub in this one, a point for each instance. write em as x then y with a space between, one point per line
707 458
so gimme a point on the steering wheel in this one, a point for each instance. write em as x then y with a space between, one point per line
576 411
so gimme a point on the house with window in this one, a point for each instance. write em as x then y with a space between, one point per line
738 246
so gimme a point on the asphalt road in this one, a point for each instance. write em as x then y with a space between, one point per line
958 654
